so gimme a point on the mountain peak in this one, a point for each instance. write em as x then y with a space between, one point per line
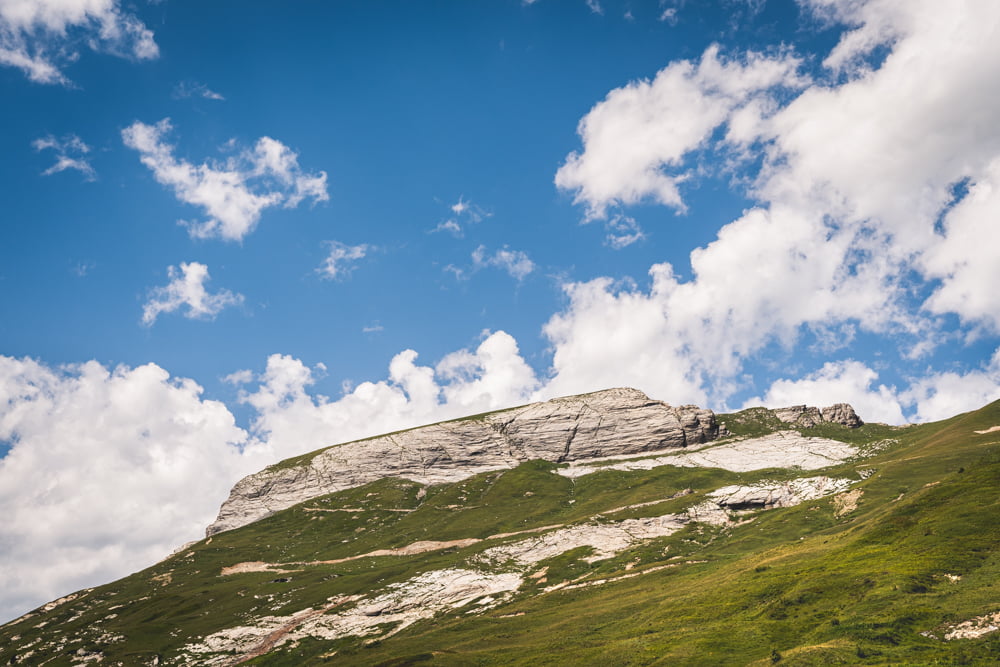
612 422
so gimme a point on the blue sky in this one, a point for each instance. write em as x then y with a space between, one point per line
234 232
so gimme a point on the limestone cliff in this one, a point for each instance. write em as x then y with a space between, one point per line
605 423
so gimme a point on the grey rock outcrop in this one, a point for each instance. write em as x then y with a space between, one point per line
605 423
807 416
842 413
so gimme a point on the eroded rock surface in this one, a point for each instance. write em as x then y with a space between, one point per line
606 423
807 416
778 494
491 577
784 449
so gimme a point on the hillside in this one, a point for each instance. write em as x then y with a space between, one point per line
798 537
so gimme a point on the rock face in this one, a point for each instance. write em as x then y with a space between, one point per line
842 413
778 494
606 423
808 416
784 449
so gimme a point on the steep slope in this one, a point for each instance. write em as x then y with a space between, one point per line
878 556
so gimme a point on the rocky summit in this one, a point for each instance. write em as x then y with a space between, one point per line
613 422
808 416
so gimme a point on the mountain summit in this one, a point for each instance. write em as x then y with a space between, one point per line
614 422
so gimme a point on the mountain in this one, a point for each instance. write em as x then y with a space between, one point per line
607 528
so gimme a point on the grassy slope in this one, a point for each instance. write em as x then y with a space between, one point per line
797 583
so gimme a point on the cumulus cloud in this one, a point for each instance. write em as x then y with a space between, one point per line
837 382
940 395
341 259
71 153
871 187
615 334
40 36
233 192
636 139
965 258
292 420
515 262
109 471
186 290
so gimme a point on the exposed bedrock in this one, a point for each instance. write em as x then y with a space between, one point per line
808 416
605 423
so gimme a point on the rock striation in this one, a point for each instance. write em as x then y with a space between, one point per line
613 422
807 416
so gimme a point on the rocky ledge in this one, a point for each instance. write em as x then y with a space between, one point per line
606 423
807 416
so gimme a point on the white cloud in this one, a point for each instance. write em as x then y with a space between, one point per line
464 213
837 382
238 378
669 15
623 231
292 421
40 36
110 471
187 89
945 394
234 192
341 259
71 153
966 258
636 139
515 262
186 290
83 268
615 335
856 174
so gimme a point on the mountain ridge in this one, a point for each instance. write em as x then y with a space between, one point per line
620 420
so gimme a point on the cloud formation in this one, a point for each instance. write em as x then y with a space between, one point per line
516 263
188 89
635 140
464 213
341 260
874 192
186 290
837 382
109 471
39 37
290 419
71 153
233 192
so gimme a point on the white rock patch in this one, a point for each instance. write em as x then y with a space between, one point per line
971 629
400 605
784 449
778 494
